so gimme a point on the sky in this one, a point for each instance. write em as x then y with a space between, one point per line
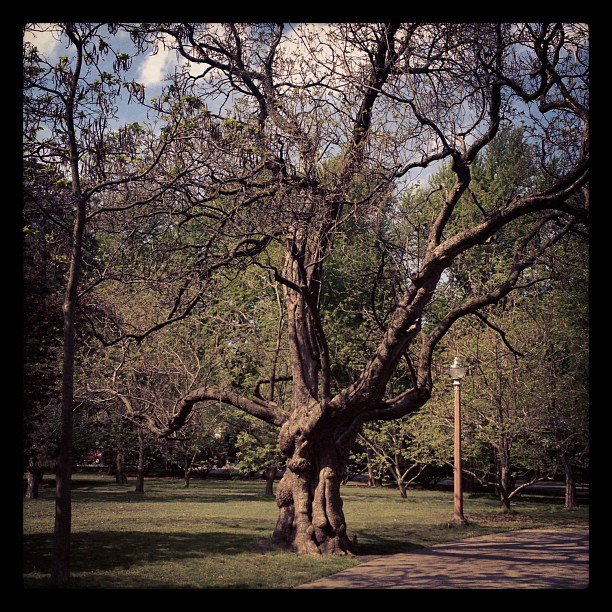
150 69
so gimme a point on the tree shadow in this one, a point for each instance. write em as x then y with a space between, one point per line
127 494
372 545
107 550
101 491
516 560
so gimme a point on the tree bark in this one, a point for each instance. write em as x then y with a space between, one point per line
60 567
120 477
311 519
141 464
402 489
504 487
571 500
504 501
35 477
60 573
400 481
372 480
270 476
504 479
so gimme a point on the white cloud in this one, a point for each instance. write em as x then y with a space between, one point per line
193 69
44 36
156 66
309 46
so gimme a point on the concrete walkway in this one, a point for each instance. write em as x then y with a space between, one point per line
526 559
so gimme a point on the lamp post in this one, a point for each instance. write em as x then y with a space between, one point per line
457 372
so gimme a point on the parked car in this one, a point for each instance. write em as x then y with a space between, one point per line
93 457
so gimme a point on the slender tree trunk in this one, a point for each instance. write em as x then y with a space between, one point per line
370 469
504 487
400 481
372 480
35 477
60 562
60 573
402 489
120 477
571 501
141 464
270 476
187 472
504 480
504 501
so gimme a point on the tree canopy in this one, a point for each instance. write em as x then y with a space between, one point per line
271 203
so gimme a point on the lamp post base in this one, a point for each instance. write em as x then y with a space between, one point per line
459 519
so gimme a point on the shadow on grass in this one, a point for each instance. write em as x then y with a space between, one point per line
532 497
130 582
108 550
101 491
379 546
128 495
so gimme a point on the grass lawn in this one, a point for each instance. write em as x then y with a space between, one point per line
216 534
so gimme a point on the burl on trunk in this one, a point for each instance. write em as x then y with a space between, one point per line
311 519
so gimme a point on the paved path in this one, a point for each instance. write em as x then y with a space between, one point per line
527 559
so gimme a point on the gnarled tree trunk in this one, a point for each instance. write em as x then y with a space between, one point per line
308 496
311 519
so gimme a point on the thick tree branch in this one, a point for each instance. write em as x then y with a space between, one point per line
266 411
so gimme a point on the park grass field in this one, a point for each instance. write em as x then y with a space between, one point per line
216 534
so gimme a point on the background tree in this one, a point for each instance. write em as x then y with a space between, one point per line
70 110
396 451
503 419
198 448
258 452
43 265
505 169
40 446
559 366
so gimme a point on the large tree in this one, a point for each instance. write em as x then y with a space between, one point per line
302 133
74 139
326 125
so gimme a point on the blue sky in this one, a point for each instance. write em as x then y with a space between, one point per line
148 69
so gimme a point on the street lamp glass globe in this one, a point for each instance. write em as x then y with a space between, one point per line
457 371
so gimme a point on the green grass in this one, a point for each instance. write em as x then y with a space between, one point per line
216 534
